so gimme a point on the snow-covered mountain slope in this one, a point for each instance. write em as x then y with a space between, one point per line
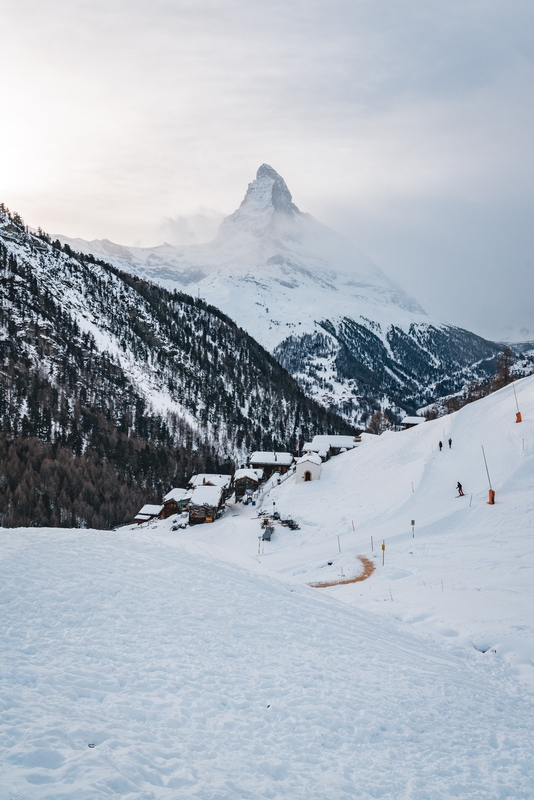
483 554
352 337
92 358
139 664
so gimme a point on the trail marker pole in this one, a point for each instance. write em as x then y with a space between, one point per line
383 551
338 544
523 445
491 497
372 547
259 544
413 490
262 546
471 500
352 524
413 529
518 417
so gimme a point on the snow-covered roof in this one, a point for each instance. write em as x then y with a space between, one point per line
150 511
206 496
253 474
207 478
314 458
412 420
177 494
263 457
322 441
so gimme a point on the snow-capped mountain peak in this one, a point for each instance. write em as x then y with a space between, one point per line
267 209
349 334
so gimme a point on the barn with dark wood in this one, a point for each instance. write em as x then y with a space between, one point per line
176 501
246 481
271 462
206 504
148 513
212 479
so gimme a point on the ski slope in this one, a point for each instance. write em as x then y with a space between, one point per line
483 554
198 668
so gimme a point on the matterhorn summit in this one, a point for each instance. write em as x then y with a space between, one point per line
266 205
349 334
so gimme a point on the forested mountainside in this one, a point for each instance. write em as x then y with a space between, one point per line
113 389
360 367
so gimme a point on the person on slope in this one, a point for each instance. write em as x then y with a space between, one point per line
440 445
450 443
460 489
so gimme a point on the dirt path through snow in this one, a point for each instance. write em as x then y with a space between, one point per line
368 569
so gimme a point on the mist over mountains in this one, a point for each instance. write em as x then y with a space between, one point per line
351 337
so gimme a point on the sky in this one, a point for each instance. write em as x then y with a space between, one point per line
406 125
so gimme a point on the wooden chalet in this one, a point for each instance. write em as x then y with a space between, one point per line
224 482
147 513
271 462
246 481
176 501
206 504
328 445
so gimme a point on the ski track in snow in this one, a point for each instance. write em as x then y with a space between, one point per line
195 678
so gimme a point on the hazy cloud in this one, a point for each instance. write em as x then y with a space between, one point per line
193 229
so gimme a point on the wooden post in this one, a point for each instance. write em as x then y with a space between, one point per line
383 551
413 529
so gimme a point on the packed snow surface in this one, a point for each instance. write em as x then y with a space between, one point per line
144 663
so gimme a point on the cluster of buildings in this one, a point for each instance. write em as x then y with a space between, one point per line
205 495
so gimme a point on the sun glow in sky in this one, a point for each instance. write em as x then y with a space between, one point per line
407 126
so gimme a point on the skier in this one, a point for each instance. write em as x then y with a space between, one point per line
440 445
460 489
450 443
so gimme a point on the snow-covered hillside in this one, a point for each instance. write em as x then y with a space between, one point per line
348 332
79 337
483 554
149 664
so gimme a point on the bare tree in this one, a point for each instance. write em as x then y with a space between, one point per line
378 423
503 369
